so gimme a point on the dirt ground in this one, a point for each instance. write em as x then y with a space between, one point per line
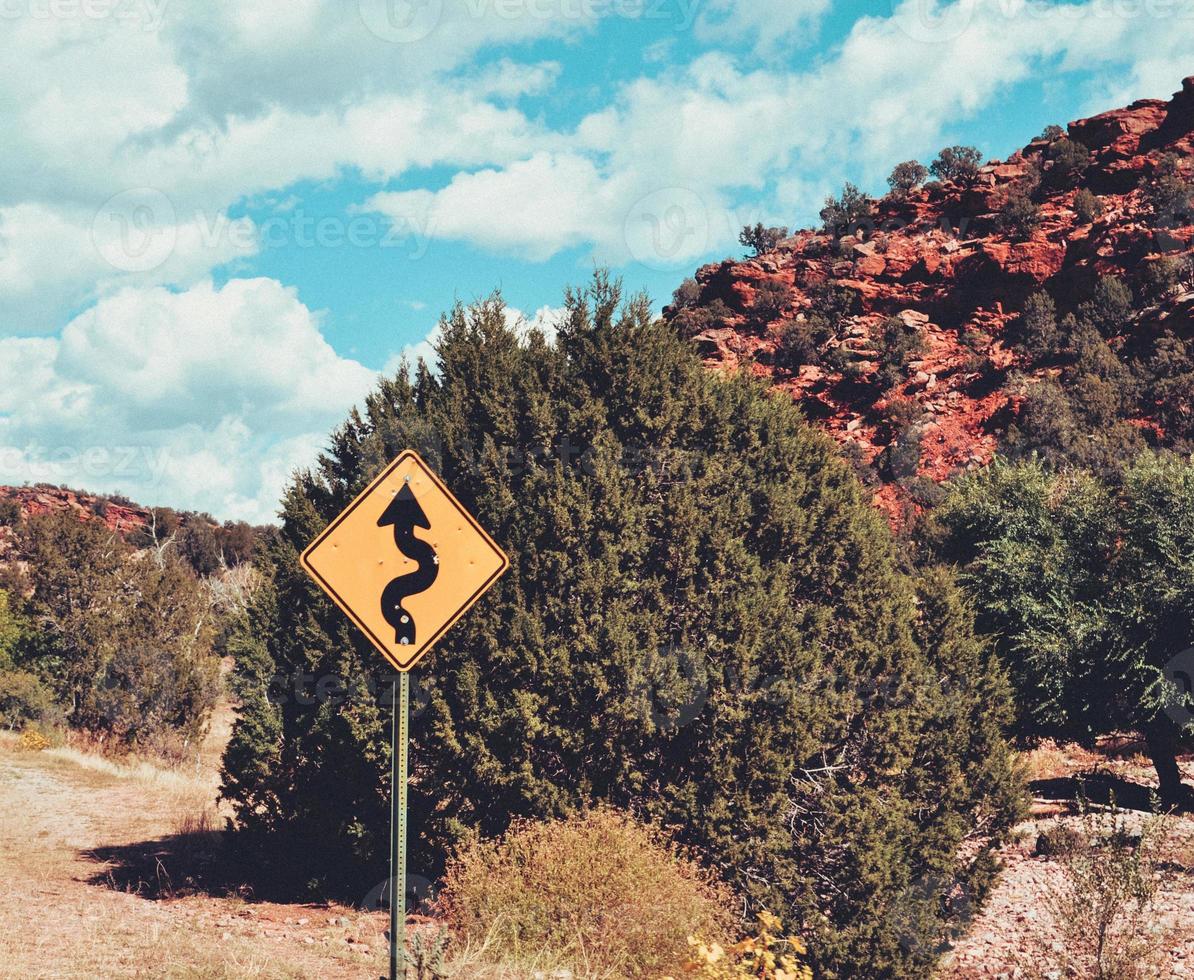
64 826
72 825
1014 936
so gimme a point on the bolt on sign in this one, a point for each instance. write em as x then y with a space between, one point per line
404 560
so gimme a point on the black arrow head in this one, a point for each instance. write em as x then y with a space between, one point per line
404 511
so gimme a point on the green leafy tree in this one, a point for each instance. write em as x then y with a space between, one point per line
957 163
1087 589
1110 309
1170 374
1018 216
704 621
23 696
761 239
123 641
906 177
1038 335
845 214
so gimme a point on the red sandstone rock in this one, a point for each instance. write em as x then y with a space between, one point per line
939 263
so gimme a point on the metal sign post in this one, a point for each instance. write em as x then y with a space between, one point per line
399 737
403 561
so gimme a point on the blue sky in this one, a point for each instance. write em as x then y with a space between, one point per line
219 221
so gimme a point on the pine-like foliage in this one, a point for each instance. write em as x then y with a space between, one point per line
1088 587
703 622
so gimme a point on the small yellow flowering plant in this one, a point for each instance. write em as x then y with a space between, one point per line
765 956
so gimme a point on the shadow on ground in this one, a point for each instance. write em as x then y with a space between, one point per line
1103 789
214 863
170 867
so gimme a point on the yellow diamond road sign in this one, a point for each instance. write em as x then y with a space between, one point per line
404 560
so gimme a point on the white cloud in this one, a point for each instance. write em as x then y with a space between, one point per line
773 26
207 396
655 175
147 132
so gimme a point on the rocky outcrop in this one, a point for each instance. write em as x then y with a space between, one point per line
123 517
938 260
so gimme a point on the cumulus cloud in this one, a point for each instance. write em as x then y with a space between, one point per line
772 26
657 176
149 130
202 398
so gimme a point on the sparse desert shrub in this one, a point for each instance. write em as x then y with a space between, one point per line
1168 191
765 955
1103 909
1087 206
33 741
896 344
693 320
906 177
1057 839
1163 276
761 239
612 893
10 513
687 294
957 163
834 302
1018 216
770 299
900 459
846 213
1038 334
1065 160
800 341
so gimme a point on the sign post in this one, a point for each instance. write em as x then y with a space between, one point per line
398 766
404 590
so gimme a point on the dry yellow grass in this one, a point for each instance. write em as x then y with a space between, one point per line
60 918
